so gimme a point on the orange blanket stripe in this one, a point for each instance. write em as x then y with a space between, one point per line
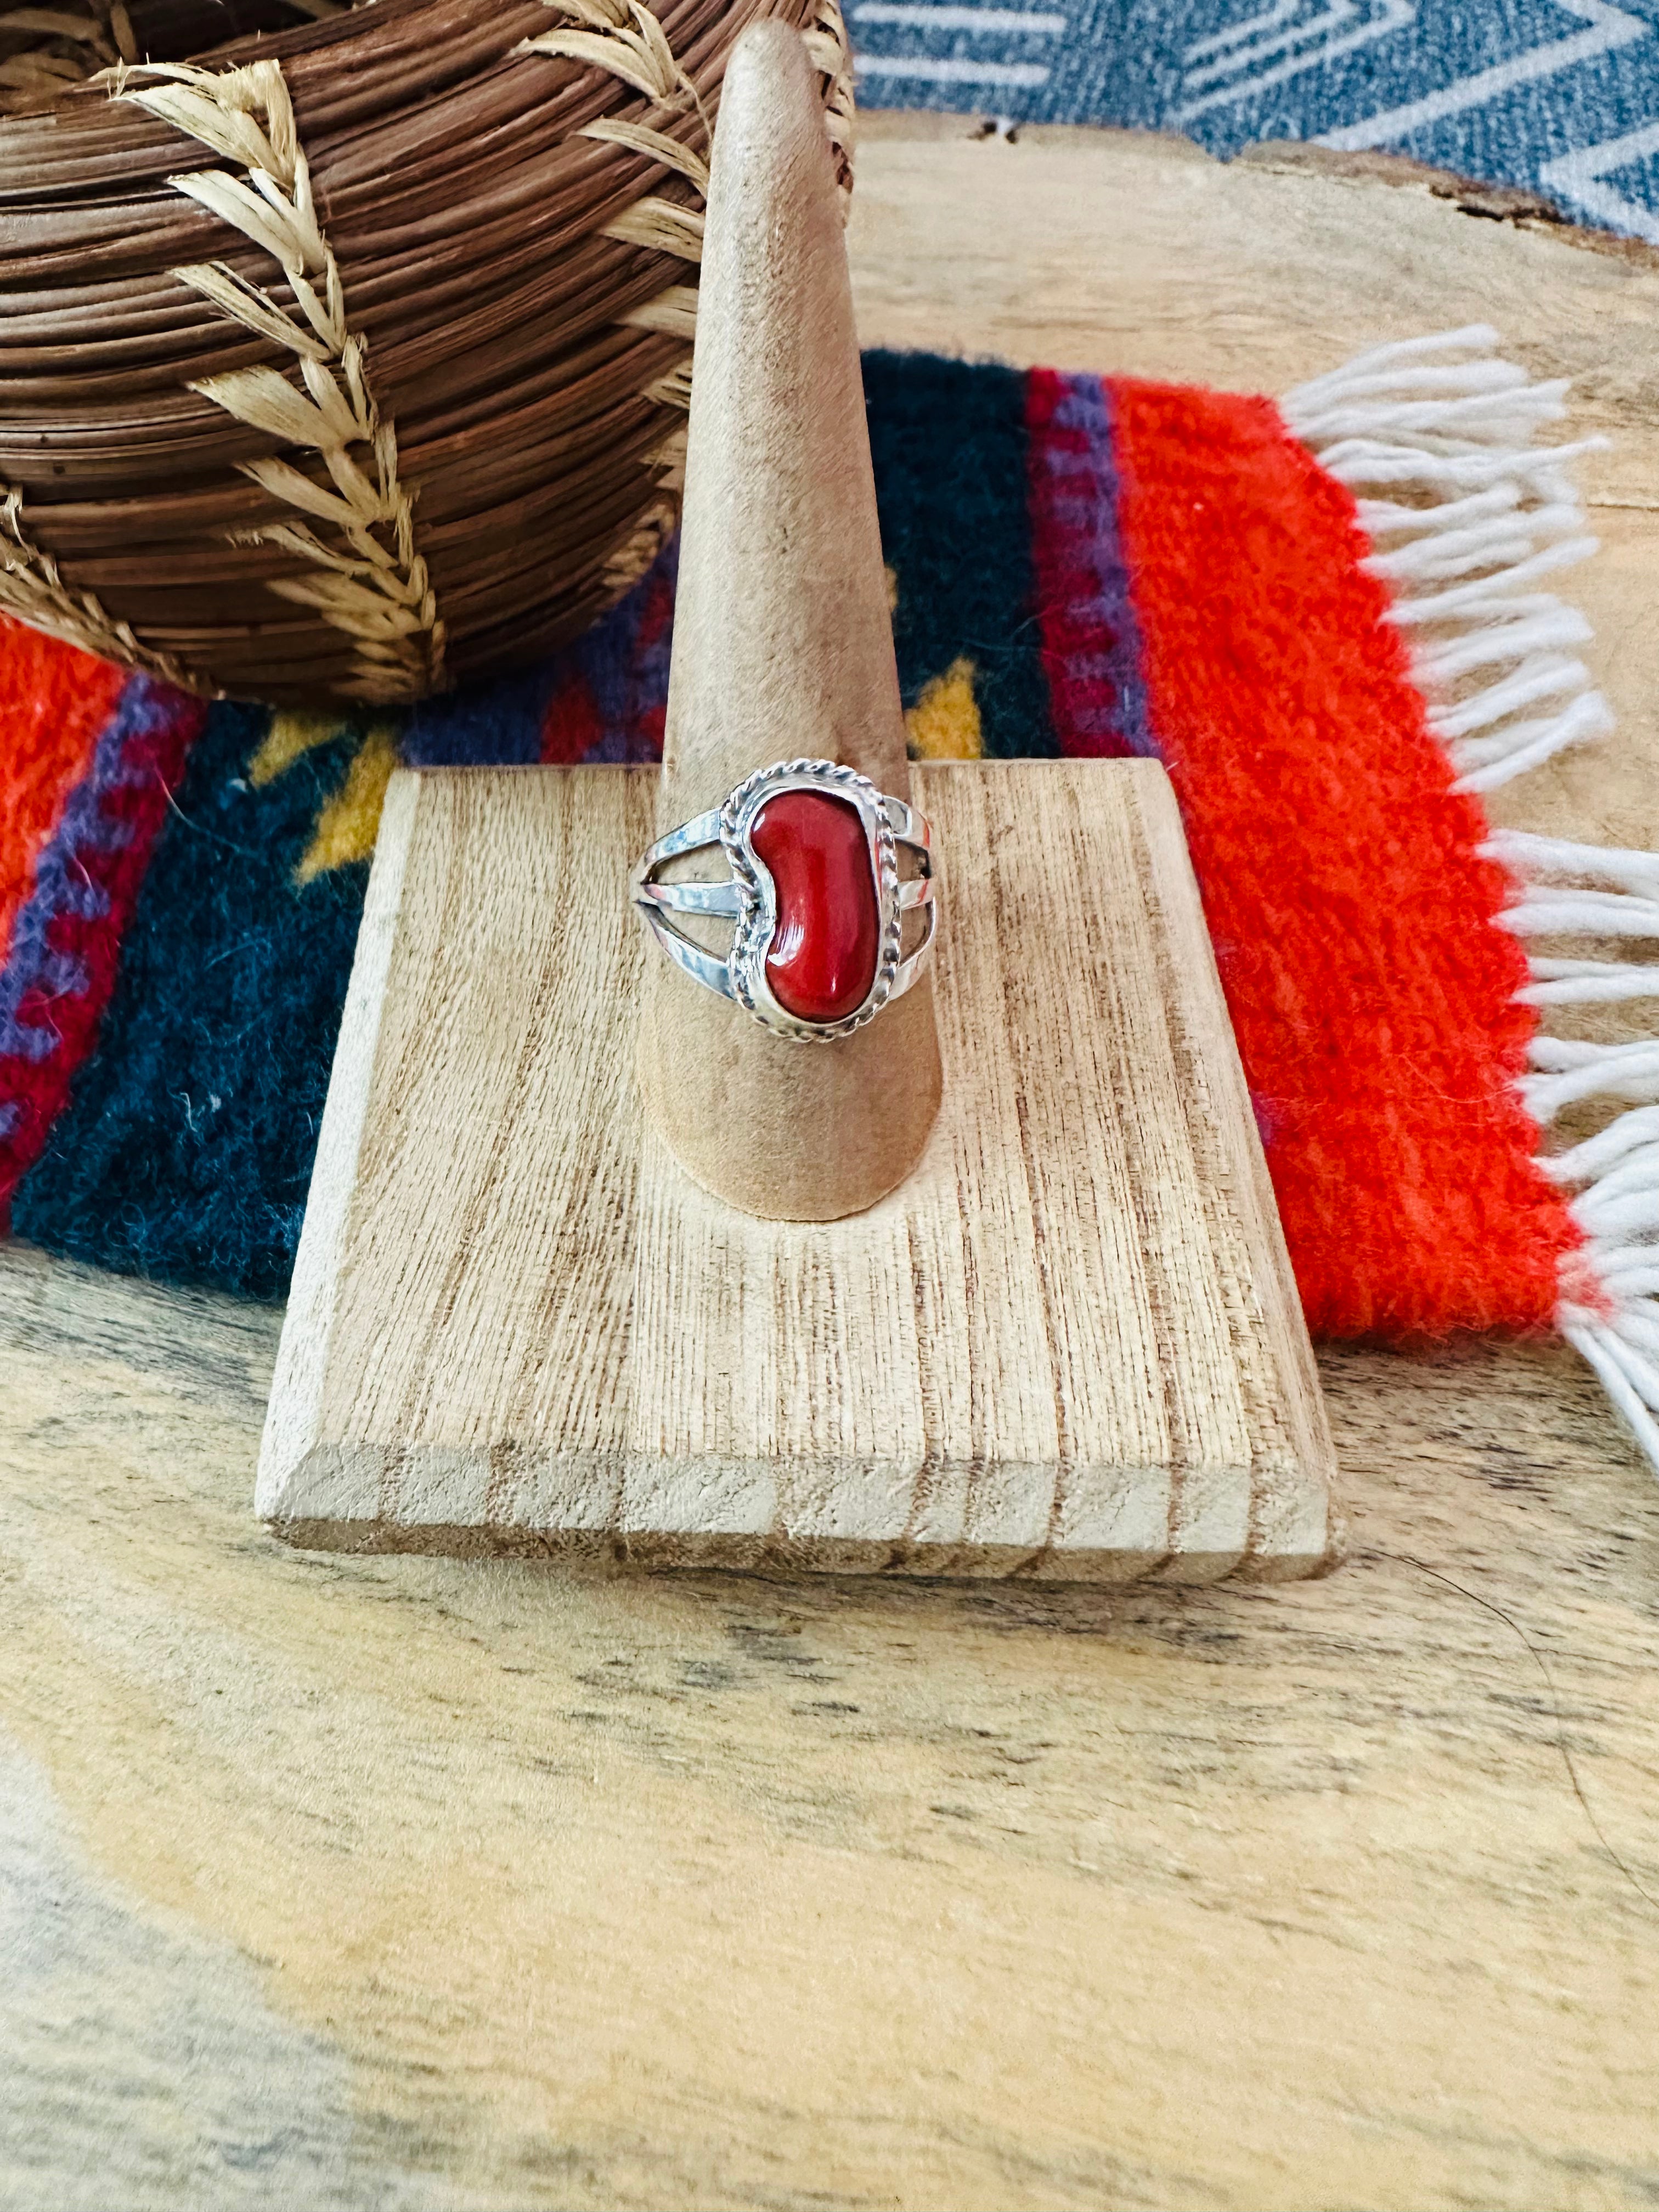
1380 1036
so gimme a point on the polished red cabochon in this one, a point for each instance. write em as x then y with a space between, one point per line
828 940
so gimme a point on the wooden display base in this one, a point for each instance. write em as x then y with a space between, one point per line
1070 1345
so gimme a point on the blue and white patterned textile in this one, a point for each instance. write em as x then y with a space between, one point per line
1560 95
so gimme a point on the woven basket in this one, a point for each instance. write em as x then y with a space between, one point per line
351 358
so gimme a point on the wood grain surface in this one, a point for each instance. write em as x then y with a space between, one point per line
1068 1344
381 1882
521 1885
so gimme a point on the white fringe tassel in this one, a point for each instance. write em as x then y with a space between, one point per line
1591 890
1479 515
1486 515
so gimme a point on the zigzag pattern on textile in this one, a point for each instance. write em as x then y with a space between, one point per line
66 942
1476 515
1091 652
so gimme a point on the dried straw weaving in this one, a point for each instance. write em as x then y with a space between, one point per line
351 358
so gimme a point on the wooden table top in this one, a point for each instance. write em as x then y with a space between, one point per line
391 1882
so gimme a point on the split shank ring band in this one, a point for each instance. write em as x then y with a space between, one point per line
814 893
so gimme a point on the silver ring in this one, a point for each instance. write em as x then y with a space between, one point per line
818 936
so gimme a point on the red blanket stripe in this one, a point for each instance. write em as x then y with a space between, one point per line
66 946
1380 1034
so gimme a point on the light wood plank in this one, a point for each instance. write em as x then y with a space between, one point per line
1068 1344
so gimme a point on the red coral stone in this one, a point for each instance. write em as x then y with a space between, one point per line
824 949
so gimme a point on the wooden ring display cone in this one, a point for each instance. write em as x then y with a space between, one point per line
782 647
1041 1322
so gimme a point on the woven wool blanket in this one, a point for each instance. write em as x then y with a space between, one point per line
1324 615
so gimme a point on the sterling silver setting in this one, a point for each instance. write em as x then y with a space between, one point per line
748 896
